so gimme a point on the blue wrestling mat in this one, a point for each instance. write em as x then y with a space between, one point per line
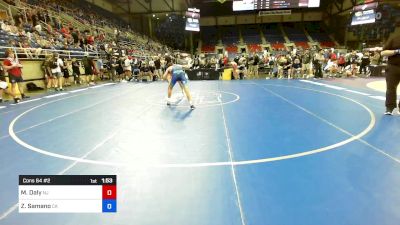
267 152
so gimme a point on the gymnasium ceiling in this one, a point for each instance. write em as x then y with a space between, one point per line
207 7
140 7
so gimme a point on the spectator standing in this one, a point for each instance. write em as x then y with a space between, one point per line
282 61
113 65
56 70
76 72
341 63
14 70
354 60
251 66
319 59
127 68
152 67
66 72
375 69
297 67
49 78
100 67
375 59
306 64
256 61
95 71
157 64
88 69
365 61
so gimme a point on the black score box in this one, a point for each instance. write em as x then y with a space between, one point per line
67 193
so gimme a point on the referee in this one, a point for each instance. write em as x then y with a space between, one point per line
392 51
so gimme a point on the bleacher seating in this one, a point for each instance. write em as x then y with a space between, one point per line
230 35
251 34
317 33
294 33
277 46
253 39
61 16
210 35
302 44
320 37
208 48
254 48
231 48
3 42
327 44
272 34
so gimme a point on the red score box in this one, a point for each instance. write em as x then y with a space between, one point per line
109 192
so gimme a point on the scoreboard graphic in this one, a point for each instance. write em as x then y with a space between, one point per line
193 19
67 194
243 5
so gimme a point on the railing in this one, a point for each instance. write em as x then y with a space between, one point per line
46 52
42 53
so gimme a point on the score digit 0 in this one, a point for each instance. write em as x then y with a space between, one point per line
109 192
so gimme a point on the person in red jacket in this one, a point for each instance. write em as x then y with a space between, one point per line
13 67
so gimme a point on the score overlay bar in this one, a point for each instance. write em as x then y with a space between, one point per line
67 194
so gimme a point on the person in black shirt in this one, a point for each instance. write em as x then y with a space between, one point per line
88 69
221 62
249 64
287 67
256 61
297 67
354 60
306 64
157 64
196 62
317 63
236 59
113 65
65 72
145 72
75 37
364 63
120 68
135 71
76 73
392 51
